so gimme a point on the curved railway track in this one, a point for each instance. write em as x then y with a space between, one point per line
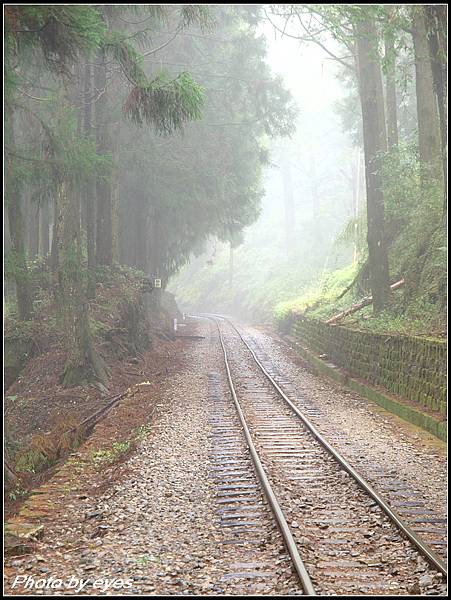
341 534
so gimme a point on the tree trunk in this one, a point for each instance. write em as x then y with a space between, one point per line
355 307
6 238
427 110
141 232
115 194
83 364
390 86
33 228
13 200
90 188
316 201
375 143
230 266
154 244
437 27
288 202
356 186
44 228
54 258
104 234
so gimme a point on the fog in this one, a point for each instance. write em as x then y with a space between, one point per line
169 166
318 158
217 152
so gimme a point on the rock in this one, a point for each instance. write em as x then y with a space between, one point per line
425 581
93 514
16 563
25 531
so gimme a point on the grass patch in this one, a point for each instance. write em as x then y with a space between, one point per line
16 493
143 431
143 561
318 298
45 449
108 456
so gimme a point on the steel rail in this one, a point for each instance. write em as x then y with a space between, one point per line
424 548
303 575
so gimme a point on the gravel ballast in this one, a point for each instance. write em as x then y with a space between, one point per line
184 514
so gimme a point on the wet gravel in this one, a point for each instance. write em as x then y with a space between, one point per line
348 544
399 459
160 529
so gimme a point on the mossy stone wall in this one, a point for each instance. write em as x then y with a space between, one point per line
411 367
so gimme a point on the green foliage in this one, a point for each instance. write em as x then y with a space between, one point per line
18 492
143 561
58 31
208 182
14 265
324 293
417 240
32 460
264 273
63 156
414 226
108 456
143 431
421 318
263 279
166 104
117 46
192 14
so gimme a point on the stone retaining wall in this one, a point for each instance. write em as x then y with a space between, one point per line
411 367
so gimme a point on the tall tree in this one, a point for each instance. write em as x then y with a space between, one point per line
390 80
427 109
61 35
375 143
288 202
83 363
214 190
90 197
104 233
33 210
14 206
354 26
316 199
44 227
437 27
55 33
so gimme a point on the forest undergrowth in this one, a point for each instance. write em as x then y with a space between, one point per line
41 414
417 242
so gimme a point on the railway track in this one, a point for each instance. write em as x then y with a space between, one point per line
342 536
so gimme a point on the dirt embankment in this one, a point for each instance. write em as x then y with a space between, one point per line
41 416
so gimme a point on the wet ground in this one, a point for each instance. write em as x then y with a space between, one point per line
156 522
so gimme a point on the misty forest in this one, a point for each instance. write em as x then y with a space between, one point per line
193 193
